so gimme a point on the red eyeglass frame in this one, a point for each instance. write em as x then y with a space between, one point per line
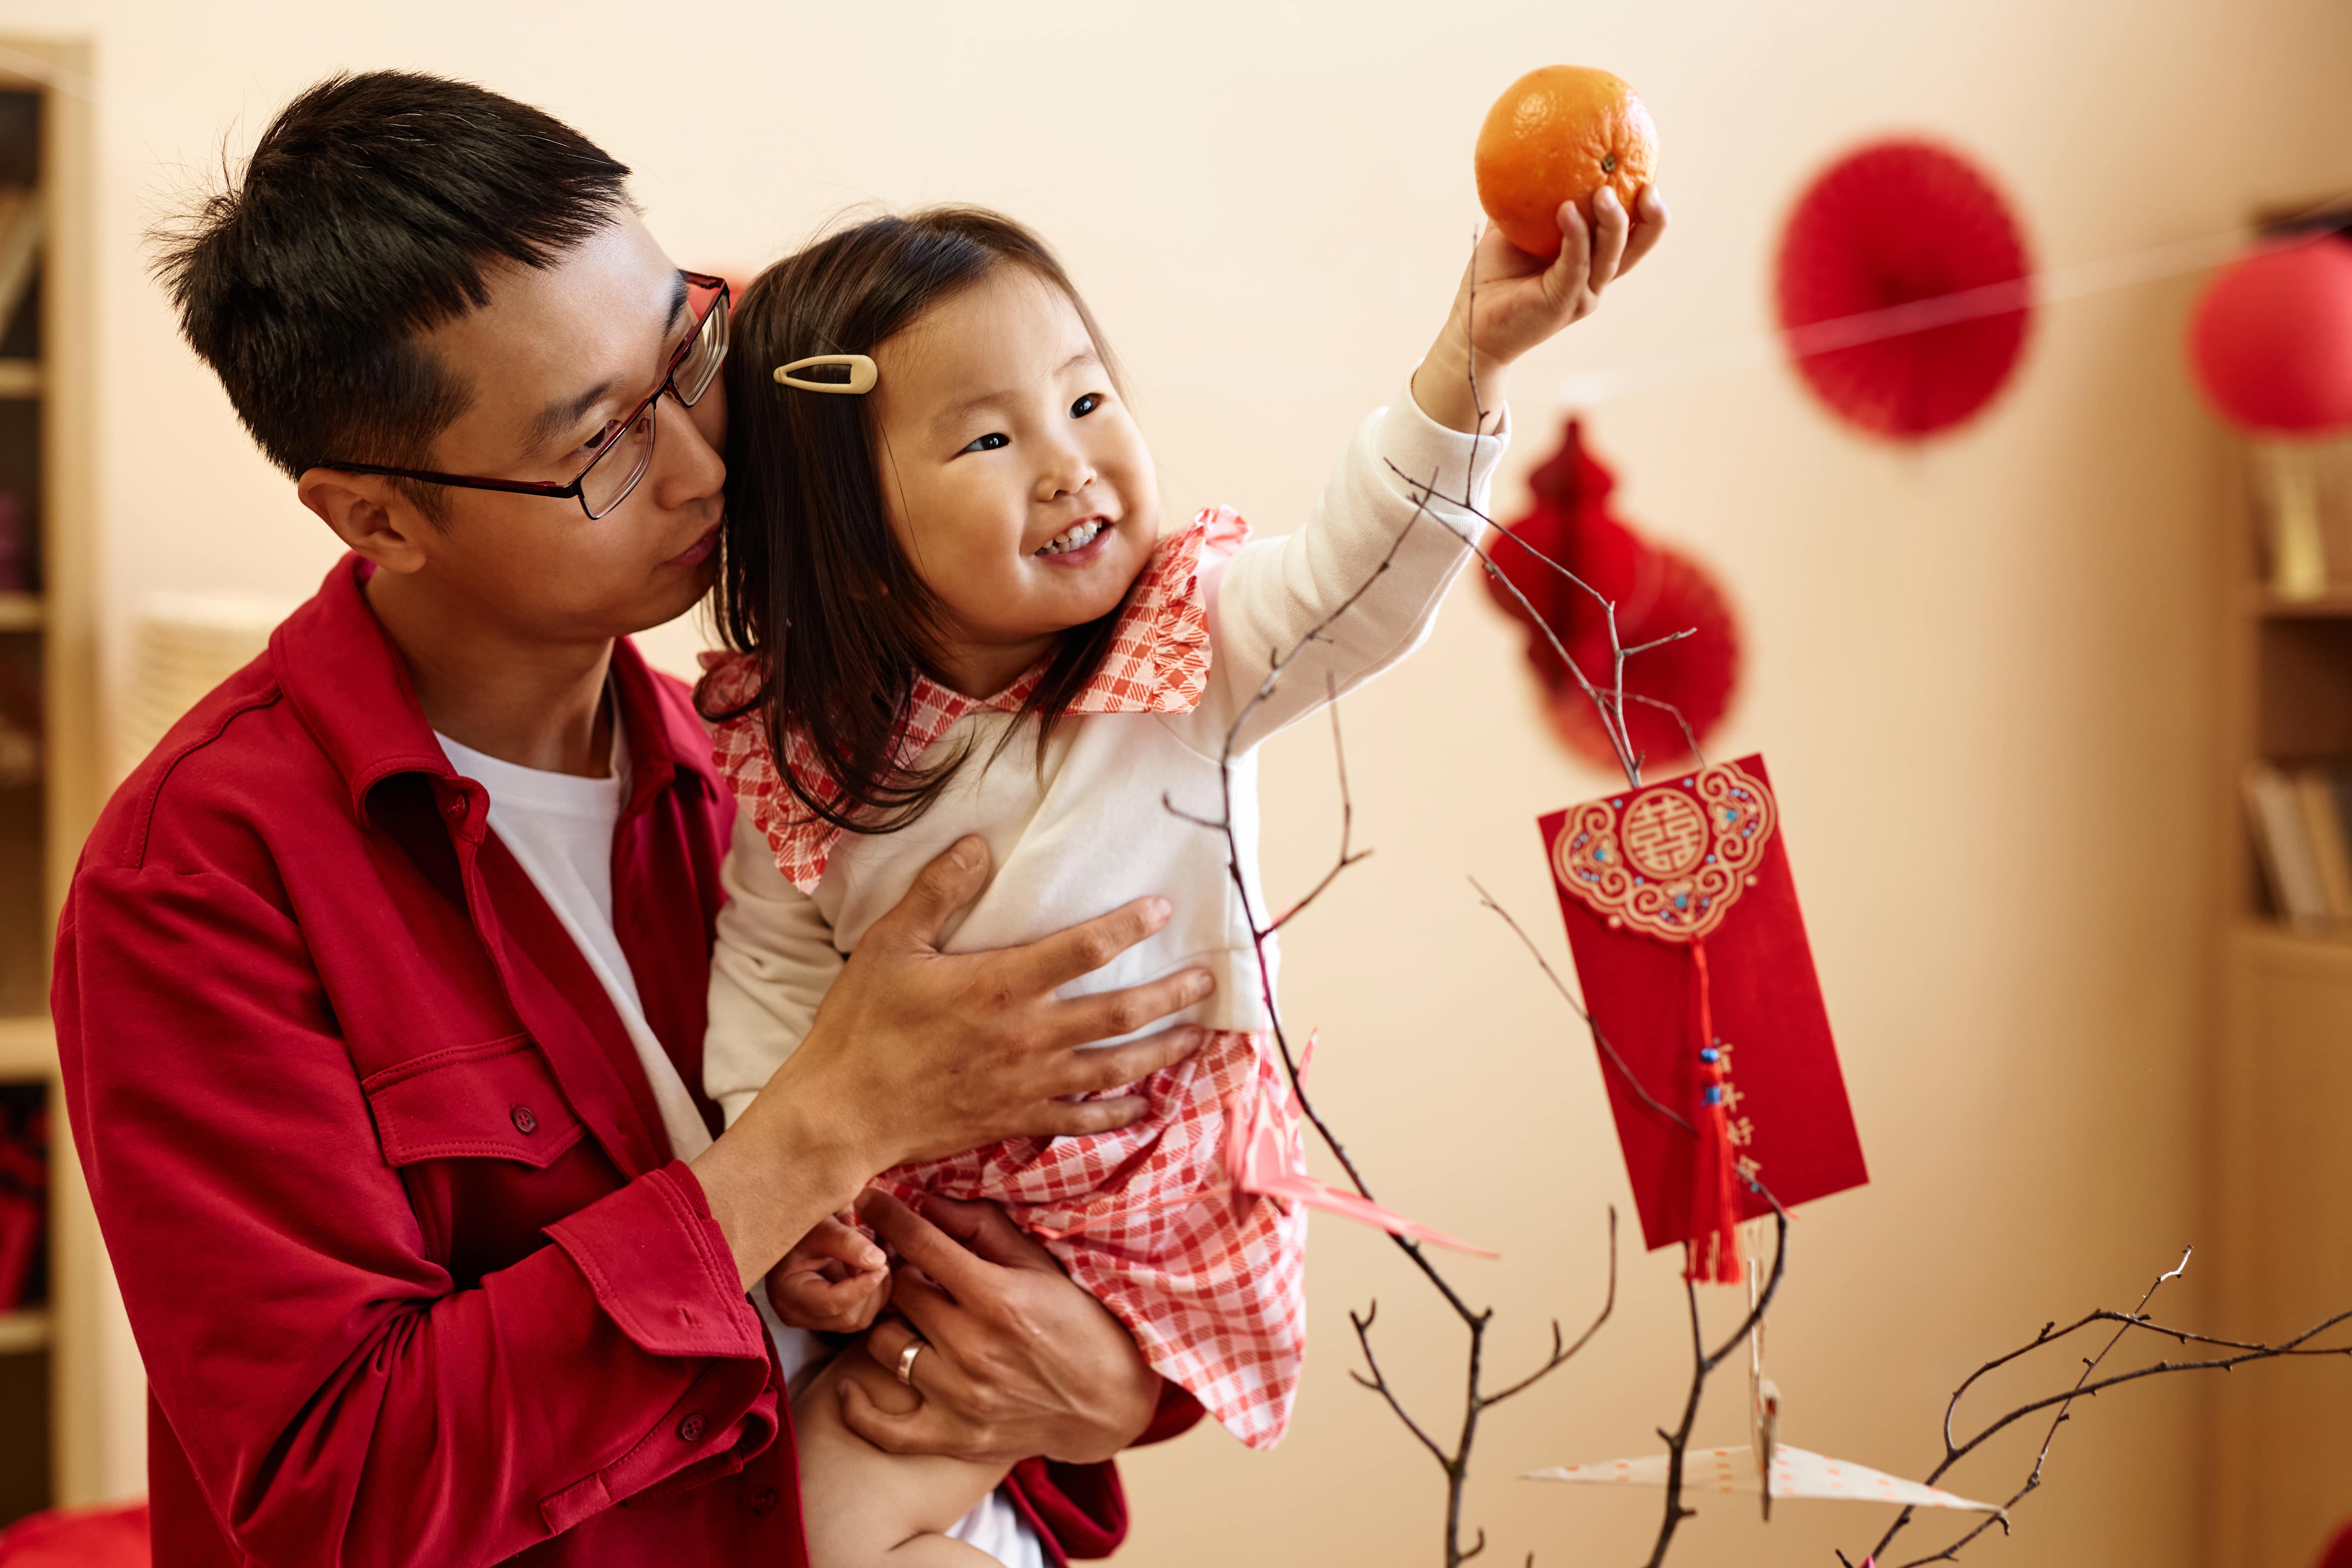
721 301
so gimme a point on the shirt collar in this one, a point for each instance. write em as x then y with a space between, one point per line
350 684
1158 663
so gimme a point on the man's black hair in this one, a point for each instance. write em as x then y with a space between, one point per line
367 215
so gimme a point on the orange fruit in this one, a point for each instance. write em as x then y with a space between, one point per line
1558 134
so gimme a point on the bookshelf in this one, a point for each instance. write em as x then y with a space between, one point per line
2281 1083
50 1299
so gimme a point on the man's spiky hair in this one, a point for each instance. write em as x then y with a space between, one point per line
369 213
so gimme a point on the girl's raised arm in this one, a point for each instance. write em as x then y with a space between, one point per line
1410 490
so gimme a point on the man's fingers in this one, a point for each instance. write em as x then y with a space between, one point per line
951 880
1098 1069
983 1228
1608 238
887 1342
1649 226
1108 1015
922 1430
1086 1116
935 1320
937 1316
922 1244
1051 964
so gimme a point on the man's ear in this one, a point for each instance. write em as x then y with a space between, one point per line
370 513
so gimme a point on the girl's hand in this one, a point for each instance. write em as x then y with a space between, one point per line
833 1281
1520 300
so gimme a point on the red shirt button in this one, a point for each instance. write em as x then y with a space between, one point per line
525 1122
691 1429
763 1501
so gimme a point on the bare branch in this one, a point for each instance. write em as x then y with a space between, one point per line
1703 1366
1559 1354
2087 1383
1379 1384
1347 813
1599 1039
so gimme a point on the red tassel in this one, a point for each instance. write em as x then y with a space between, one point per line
1713 1255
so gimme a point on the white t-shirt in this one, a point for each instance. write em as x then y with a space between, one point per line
559 828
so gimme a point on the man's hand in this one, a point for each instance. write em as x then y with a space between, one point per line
916 1053
1522 299
1016 1360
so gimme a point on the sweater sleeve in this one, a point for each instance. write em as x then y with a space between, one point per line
318 1363
1264 602
772 965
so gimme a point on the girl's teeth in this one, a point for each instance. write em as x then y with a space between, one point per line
1077 538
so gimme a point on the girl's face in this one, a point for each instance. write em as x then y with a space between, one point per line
1014 477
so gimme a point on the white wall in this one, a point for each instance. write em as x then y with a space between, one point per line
1980 669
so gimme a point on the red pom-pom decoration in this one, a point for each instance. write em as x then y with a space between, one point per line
2339 1551
1657 592
2271 338
1901 289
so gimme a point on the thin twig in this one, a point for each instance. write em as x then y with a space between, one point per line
2087 1383
1379 1384
1560 1353
1568 996
1703 1366
1347 812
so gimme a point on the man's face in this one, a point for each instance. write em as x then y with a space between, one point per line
556 359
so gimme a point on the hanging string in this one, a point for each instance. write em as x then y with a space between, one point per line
1754 349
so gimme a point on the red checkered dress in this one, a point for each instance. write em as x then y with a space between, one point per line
1211 1280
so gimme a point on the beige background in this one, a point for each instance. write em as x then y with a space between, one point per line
1981 668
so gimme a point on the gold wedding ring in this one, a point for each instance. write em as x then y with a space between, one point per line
907 1363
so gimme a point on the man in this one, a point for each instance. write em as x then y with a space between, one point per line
387 1083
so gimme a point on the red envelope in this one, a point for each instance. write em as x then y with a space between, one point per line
1690 950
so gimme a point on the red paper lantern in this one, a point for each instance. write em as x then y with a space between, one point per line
1901 289
2271 338
1657 592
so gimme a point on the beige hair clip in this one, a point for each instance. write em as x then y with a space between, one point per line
858 373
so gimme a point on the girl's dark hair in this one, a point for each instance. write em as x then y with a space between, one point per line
815 583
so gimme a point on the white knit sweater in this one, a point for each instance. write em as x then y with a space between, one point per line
1088 831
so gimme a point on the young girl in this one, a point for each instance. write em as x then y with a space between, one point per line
954 614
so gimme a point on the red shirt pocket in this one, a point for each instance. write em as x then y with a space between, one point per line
480 1135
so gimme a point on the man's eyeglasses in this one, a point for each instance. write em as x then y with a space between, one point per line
628 452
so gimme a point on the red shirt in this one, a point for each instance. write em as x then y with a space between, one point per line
413 1277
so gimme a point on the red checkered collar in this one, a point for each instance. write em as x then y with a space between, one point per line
1158 663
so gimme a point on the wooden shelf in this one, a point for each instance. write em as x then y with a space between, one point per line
24 1331
85 1416
2321 949
2277 1179
2333 603
28 1049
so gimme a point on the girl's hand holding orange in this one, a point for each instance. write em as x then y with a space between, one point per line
1569 132
1520 300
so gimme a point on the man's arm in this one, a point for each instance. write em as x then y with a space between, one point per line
318 1366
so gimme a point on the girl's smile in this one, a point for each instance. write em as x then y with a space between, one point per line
1078 544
